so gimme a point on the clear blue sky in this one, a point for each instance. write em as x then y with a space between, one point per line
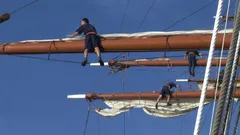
33 92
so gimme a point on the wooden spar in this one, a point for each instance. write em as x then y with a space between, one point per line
199 80
151 95
164 43
164 62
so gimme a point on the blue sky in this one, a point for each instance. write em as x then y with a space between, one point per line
33 92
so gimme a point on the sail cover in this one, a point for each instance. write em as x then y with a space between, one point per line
136 35
179 107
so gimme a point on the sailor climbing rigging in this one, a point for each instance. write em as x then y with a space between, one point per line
166 92
220 78
92 40
192 60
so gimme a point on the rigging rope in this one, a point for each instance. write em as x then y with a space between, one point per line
219 67
98 122
230 111
237 120
226 78
208 68
124 15
86 123
25 6
191 14
146 15
231 85
46 59
123 90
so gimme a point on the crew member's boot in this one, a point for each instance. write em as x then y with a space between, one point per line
84 62
100 61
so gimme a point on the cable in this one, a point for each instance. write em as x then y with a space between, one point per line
146 15
124 15
123 90
226 78
45 59
237 120
86 123
25 6
219 67
191 14
208 67
98 122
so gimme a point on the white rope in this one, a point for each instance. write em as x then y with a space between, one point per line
219 67
208 68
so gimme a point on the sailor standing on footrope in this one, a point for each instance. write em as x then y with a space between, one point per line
92 40
192 60
166 92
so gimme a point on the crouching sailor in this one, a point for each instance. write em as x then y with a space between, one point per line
92 40
165 92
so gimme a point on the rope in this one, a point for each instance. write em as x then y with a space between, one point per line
230 111
226 78
205 117
86 123
219 67
123 90
208 68
146 15
98 122
124 15
231 84
237 120
46 59
25 6
191 14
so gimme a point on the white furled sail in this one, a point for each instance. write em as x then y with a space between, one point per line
178 108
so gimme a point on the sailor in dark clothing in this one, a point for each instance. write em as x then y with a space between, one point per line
220 79
192 60
166 92
92 40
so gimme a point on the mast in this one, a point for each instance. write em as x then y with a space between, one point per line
181 42
149 95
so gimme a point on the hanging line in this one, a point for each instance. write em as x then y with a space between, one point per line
208 68
146 15
191 14
219 68
124 16
123 90
237 120
23 7
86 123
45 59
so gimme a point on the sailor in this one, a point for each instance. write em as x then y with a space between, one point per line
192 60
220 79
92 40
165 92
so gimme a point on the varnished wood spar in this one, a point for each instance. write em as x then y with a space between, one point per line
154 95
201 62
210 80
173 43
